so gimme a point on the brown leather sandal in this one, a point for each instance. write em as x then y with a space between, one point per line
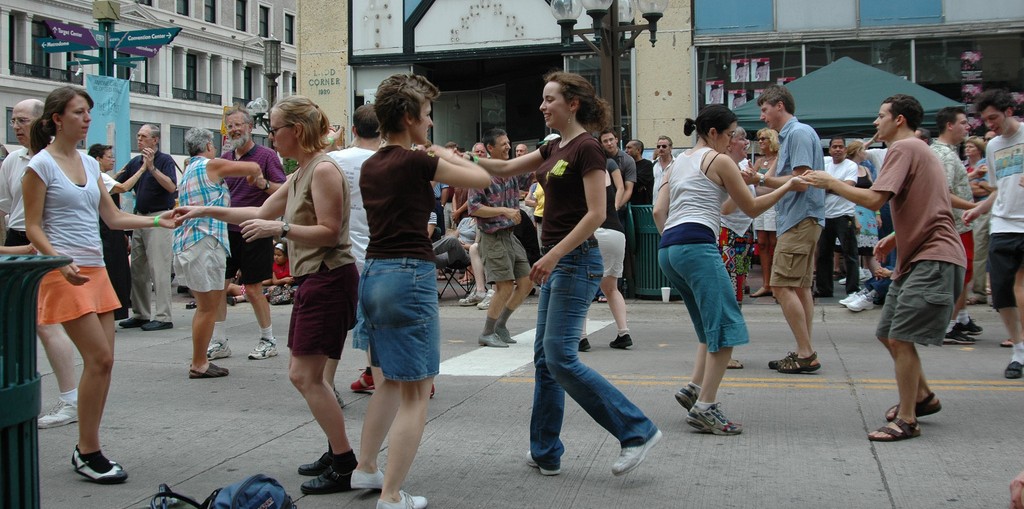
927 406
795 364
904 430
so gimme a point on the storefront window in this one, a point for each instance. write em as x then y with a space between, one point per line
734 75
890 56
589 66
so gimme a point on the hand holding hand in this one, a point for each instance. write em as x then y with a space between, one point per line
798 184
254 229
752 178
819 179
167 220
182 214
971 214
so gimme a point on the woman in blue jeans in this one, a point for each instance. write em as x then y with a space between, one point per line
688 214
572 171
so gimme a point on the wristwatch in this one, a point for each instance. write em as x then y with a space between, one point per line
266 186
285 228
760 181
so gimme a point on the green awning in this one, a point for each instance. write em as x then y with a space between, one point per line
843 97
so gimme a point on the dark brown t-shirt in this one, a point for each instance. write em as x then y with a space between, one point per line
398 198
561 174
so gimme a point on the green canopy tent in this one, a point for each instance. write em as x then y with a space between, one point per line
843 97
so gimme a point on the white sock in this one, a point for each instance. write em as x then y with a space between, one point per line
963 317
695 386
702 406
267 333
218 333
1018 352
70 397
950 327
624 331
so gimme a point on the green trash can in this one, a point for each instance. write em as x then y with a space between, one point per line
642 233
20 398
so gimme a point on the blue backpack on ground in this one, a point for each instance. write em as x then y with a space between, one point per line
256 492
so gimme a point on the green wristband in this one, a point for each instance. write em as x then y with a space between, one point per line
156 221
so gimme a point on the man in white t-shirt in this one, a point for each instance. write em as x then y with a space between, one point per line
840 223
366 136
662 160
1005 156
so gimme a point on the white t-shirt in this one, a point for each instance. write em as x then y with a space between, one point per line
71 214
737 221
1006 164
835 205
351 162
11 171
659 172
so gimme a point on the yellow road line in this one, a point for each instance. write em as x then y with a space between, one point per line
772 383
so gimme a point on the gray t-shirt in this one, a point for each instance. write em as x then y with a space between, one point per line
799 146
627 165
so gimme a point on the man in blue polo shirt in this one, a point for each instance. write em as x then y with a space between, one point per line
801 216
155 193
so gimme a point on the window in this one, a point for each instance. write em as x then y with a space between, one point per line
39 57
210 11
11 137
178 147
289 29
135 126
720 80
295 85
122 71
144 2
240 14
264 21
181 7
191 68
247 84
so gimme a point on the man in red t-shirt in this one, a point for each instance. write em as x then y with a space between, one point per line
930 261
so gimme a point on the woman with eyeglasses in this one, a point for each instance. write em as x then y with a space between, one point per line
764 224
314 203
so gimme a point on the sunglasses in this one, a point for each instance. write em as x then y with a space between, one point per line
762 139
662 146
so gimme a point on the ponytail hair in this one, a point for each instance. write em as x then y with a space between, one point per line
594 112
43 129
716 116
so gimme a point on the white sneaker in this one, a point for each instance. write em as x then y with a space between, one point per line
364 481
853 296
543 471
218 350
61 414
631 457
264 350
865 274
406 502
866 301
486 303
473 299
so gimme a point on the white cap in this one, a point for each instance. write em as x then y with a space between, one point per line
279 245
552 136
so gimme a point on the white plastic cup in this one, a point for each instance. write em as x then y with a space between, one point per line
666 293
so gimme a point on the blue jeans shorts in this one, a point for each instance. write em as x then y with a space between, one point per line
698 273
398 315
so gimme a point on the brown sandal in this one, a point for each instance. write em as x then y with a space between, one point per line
734 364
904 430
927 406
212 371
795 364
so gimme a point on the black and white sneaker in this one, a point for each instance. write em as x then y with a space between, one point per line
970 327
115 475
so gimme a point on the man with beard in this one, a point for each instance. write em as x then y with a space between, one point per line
254 259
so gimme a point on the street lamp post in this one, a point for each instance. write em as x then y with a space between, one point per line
610 37
272 65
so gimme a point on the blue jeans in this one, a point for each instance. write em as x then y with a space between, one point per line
561 313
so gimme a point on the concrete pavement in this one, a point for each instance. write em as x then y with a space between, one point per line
803 444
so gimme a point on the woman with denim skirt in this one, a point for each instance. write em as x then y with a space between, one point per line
397 311
572 171
688 211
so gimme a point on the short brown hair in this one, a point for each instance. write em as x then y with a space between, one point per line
400 95
778 93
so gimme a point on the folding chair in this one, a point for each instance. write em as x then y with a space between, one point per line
451 280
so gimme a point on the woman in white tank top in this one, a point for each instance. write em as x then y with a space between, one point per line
687 211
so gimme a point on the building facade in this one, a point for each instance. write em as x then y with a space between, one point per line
954 47
215 61
487 57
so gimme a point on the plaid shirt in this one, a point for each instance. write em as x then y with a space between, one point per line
503 192
196 189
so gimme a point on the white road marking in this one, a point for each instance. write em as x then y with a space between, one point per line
486 361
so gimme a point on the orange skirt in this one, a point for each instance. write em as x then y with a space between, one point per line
61 301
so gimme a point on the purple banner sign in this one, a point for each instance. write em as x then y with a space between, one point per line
71 33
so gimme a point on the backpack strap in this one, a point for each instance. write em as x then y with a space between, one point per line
164 492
